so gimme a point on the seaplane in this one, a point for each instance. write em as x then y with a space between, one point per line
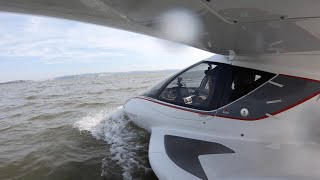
251 111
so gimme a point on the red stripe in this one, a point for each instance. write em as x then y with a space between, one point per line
303 78
176 107
242 119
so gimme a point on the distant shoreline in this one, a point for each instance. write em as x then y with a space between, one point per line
15 82
97 74
86 74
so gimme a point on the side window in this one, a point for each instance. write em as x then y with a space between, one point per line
198 87
244 80
209 86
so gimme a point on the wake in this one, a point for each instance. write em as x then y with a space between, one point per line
128 144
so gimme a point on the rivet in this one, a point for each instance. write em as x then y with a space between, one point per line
244 112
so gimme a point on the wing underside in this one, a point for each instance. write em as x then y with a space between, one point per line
246 26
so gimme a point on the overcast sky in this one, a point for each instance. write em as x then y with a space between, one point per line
39 48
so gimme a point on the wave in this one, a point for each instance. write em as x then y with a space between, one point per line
48 116
31 97
90 104
127 142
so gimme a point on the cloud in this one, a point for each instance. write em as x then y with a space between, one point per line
55 41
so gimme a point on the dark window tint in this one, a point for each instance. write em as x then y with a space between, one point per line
244 80
208 86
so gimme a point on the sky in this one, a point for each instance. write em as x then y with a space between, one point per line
40 48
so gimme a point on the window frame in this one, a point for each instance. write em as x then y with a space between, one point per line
176 76
209 109
157 95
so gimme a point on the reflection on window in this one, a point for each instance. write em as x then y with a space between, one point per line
193 88
209 86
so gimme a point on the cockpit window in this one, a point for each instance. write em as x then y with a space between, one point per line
152 91
197 87
209 86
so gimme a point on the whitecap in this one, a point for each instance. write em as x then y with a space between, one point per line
124 139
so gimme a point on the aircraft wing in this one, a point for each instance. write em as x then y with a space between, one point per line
181 155
248 27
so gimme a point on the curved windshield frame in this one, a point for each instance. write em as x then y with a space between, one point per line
210 85
196 87
155 90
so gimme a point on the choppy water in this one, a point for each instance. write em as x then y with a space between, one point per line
74 128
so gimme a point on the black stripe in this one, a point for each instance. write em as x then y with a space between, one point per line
184 152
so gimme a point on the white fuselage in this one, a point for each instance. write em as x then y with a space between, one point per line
270 141
150 113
